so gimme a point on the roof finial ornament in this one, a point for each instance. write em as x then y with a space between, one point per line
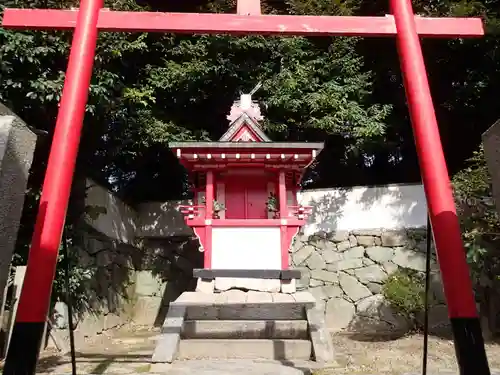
256 88
246 105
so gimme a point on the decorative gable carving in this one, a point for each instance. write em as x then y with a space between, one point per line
245 137
244 129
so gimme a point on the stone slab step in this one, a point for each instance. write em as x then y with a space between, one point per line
246 312
245 329
240 297
251 305
245 349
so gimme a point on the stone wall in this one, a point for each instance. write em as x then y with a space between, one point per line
133 268
165 272
345 271
128 283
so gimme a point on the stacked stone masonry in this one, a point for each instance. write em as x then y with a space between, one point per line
129 283
345 272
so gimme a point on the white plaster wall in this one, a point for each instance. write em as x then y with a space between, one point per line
246 248
162 219
119 221
257 248
387 207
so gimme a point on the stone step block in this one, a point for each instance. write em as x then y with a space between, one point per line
239 305
252 311
245 329
240 297
245 349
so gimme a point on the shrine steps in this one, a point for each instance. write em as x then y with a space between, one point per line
245 349
244 325
245 329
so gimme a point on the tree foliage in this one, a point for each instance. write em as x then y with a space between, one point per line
148 89
463 75
479 219
404 290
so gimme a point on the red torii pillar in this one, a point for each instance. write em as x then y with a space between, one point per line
34 301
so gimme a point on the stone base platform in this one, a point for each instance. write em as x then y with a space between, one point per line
244 325
255 282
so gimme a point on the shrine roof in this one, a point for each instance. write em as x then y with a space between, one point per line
242 120
245 135
249 145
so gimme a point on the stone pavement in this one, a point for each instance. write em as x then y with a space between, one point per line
198 367
129 352
240 367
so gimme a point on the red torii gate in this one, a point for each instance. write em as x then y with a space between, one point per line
91 18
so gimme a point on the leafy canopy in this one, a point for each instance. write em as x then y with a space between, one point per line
149 89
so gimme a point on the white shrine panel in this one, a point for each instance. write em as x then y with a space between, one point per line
251 248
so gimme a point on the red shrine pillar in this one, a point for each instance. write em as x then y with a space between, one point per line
209 208
31 317
469 344
283 204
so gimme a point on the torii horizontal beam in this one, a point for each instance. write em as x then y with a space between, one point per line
206 23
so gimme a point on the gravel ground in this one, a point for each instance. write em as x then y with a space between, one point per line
129 352
400 356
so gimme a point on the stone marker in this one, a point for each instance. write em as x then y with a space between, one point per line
17 145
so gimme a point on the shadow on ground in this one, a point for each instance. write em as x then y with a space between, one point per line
97 363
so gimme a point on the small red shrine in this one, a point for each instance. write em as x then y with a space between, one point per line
245 211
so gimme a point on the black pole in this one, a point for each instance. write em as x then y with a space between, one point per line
426 297
69 305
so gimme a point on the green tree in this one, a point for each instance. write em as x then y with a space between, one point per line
481 232
479 218
464 75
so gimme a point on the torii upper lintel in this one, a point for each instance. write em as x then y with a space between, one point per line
235 24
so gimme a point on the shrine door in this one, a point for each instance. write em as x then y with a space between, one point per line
246 197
